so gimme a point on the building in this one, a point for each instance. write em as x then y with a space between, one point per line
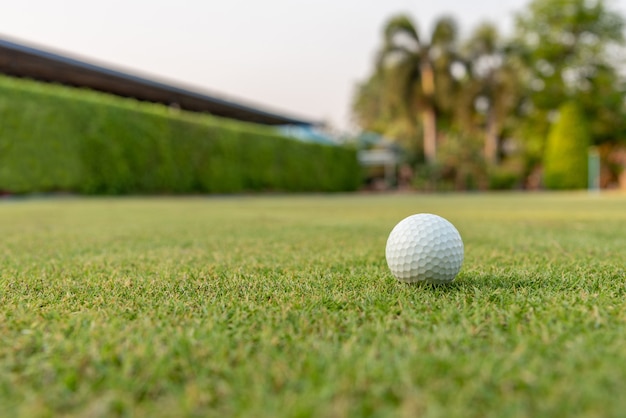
20 60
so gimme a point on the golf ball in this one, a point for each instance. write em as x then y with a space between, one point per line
424 247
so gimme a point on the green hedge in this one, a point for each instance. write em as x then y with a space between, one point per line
56 138
566 155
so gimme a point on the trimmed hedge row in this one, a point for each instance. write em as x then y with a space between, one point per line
56 138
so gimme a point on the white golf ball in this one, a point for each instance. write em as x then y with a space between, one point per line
424 247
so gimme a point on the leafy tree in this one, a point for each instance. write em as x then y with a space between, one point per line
492 88
417 74
565 160
373 111
368 105
568 49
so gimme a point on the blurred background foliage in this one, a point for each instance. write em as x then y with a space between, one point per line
476 112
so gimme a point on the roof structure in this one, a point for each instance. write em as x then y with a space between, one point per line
19 60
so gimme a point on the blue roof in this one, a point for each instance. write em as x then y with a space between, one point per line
306 134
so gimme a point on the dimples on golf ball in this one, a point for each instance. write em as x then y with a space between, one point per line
424 247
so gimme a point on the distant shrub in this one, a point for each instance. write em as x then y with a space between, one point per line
459 165
55 138
565 159
506 176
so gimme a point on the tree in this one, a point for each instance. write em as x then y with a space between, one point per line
370 107
492 89
417 73
568 48
374 112
566 156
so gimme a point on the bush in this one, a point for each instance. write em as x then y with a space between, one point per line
55 138
459 165
507 176
565 158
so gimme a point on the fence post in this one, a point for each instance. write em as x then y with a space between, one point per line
593 170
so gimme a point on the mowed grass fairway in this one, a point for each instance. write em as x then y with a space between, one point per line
284 306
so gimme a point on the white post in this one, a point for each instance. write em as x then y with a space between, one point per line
593 170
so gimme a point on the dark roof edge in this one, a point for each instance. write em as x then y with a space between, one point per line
77 63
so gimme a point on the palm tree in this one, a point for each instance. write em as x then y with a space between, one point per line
416 69
492 88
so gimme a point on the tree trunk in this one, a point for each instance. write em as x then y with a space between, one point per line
429 117
491 139
429 125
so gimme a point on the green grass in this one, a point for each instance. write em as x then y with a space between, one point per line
284 306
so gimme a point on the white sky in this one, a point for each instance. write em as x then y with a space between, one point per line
298 57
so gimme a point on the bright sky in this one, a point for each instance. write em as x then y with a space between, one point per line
298 57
